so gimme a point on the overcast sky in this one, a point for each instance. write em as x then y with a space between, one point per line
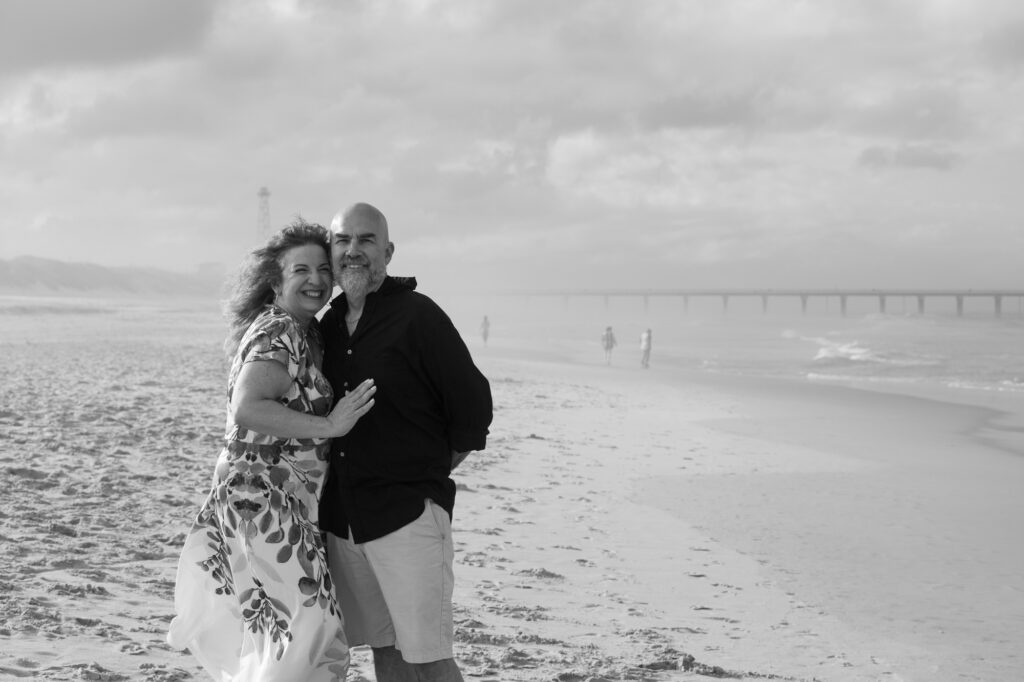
528 144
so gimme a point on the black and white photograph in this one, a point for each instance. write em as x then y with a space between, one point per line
512 340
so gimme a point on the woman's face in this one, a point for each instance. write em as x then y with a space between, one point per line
305 281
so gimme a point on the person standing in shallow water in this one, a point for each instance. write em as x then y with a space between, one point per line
254 600
608 343
387 507
485 329
645 348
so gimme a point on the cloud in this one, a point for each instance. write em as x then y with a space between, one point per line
613 172
699 110
1005 44
727 138
37 34
145 111
909 156
915 113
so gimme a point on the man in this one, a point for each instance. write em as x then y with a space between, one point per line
645 348
485 329
387 505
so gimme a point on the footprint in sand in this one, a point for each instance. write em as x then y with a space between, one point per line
473 636
486 531
528 613
516 658
158 672
541 573
133 649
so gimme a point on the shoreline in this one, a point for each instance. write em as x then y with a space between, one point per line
992 413
835 480
1001 426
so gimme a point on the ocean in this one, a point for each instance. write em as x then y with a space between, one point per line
977 357
897 351
885 351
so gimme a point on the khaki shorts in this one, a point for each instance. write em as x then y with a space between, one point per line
397 590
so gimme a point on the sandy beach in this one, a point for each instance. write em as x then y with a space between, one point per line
622 525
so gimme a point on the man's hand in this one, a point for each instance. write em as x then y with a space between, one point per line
457 458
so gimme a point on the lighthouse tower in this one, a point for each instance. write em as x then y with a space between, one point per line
263 214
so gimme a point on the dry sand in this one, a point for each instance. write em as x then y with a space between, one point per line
571 562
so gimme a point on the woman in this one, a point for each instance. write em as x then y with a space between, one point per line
254 600
608 343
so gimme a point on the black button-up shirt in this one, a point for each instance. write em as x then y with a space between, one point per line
431 399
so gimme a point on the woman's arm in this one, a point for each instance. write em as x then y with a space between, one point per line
255 405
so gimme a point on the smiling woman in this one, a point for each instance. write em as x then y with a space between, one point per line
305 282
294 260
254 599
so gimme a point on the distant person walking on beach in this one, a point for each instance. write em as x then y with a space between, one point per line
608 343
485 329
387 507
645 348
254 600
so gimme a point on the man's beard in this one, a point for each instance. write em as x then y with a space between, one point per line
358 282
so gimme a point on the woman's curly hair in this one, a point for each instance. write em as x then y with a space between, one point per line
261 272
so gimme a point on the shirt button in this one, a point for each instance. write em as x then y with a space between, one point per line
345 384
349 351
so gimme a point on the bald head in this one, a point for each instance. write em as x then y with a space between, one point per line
361 214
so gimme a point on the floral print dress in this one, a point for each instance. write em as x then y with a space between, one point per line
253 599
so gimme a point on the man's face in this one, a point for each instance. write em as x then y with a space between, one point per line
360 253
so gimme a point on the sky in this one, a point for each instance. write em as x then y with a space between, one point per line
521 145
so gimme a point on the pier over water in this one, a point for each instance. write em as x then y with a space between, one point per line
997 296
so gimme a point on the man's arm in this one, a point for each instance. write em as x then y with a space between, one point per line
459 457
464 391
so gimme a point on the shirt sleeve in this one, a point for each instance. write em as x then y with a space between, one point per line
464 391
272 340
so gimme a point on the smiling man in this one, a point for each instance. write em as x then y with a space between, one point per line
387 505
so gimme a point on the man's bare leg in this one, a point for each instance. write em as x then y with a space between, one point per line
389 666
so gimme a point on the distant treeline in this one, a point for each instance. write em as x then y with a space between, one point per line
31 275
